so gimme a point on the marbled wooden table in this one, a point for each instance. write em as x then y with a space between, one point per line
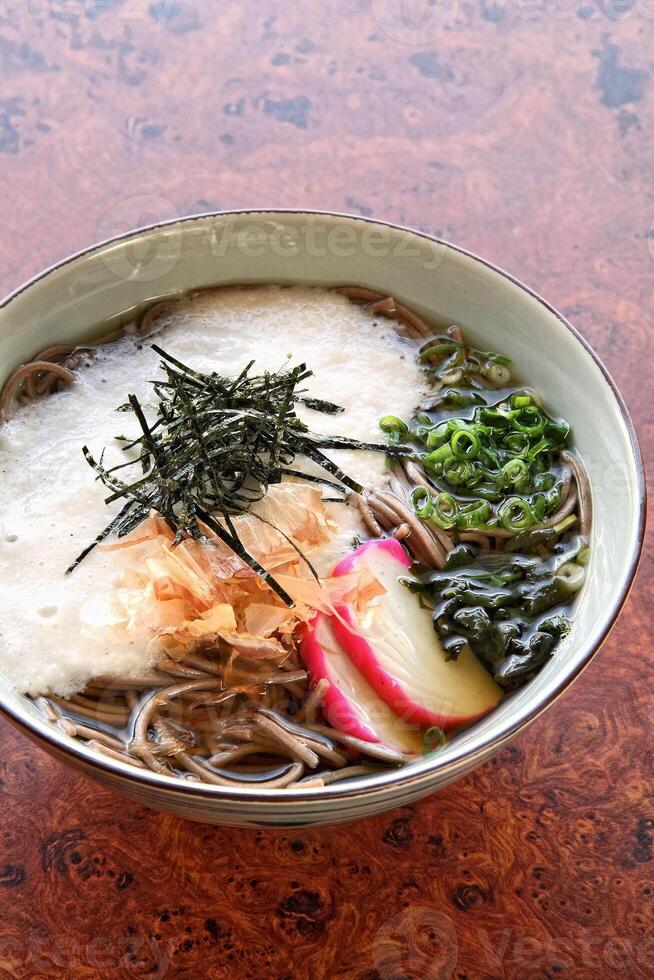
518 128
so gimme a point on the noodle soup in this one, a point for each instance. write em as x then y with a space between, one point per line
315 539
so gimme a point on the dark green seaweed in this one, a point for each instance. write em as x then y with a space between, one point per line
507 607
210 446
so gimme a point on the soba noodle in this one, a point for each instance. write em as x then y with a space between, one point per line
217 715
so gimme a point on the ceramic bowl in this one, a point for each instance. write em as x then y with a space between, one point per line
444 284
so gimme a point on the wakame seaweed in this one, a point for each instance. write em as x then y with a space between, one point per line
507 607
213 448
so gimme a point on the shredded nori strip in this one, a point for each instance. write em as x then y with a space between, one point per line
213 448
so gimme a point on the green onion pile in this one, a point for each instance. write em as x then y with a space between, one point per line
494 469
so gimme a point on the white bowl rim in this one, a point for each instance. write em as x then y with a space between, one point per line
430 765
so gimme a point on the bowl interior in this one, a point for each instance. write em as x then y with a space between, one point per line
443 284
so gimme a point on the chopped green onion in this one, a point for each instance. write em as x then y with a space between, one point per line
438 456
465 444
515 514
490 416
422 503
572 574
497 374
445 511
514 471
486 355
529 419
452 377
517 442
433 439
544 481
445 429
541 446
559 430
475 515
434 738
564 525
438 351
457 472
391 424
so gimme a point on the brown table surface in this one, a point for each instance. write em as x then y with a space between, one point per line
521 132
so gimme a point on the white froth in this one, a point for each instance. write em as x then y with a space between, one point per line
51 506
